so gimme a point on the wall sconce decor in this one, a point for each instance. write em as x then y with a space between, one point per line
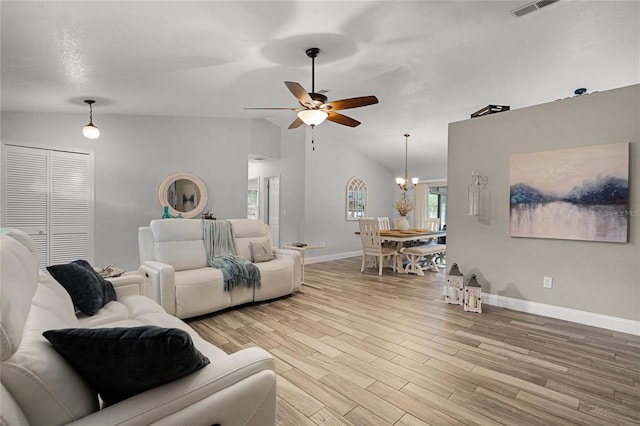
473 295
90 131
454 286
473 193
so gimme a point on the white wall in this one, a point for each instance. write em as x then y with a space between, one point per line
265 139
595 277
133 156
328 169
290 168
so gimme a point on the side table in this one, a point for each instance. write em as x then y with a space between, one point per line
302 248
125 282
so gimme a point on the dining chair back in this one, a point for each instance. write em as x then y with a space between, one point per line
431 223
384 222
372 244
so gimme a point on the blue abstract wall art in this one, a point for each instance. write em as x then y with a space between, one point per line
574 194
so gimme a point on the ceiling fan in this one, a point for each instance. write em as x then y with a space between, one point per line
314 108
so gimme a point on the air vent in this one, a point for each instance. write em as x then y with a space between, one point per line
531 7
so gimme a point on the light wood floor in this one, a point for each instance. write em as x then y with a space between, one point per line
370 350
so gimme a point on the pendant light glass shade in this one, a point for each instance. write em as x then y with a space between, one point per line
312 117
90 131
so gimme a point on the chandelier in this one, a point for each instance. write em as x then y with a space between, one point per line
403 183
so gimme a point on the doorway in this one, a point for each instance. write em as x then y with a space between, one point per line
272 208
253 199
263 202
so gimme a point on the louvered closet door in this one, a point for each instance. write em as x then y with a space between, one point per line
48 194
25 181
69 207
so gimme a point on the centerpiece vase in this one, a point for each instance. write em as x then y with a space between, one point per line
403 223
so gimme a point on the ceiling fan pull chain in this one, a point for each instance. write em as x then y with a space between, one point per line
313 145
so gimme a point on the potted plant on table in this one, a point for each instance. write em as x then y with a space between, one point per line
403 205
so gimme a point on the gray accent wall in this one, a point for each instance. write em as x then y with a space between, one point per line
596 277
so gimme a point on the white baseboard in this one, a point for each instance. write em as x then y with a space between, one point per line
581 317
308 260
567 314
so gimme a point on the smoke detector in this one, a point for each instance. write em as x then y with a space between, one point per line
532 7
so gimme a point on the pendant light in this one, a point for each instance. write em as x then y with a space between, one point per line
403 183
90 131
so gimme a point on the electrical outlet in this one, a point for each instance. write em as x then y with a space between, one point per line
547 282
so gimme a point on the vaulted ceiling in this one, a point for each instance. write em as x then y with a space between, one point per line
428 62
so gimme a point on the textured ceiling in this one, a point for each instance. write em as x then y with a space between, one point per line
428 62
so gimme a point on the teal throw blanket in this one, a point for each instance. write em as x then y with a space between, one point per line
220 245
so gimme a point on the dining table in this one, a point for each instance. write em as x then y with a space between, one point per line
400 237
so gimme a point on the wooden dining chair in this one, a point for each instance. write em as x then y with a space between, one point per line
431 223
384 223
372 244
437 257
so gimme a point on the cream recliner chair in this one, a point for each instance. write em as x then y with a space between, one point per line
173 256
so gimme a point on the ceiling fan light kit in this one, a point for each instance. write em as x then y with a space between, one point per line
312 117
90 131
314 108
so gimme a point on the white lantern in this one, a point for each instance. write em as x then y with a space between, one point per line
454 286
473 295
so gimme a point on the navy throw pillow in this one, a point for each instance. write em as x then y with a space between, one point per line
121 362
88 290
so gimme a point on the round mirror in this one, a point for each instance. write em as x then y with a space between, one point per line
184 193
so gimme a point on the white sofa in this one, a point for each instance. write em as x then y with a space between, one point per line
40 388
172 255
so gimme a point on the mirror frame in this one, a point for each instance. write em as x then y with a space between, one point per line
163 189
356 185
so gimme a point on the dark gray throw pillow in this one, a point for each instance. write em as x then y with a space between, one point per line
121 362
88 290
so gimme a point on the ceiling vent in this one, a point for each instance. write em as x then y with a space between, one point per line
531 7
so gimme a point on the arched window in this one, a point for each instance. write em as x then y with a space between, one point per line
356 199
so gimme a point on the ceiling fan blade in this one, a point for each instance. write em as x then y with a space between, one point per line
342 119
352 102
296 123
278 109
298 91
